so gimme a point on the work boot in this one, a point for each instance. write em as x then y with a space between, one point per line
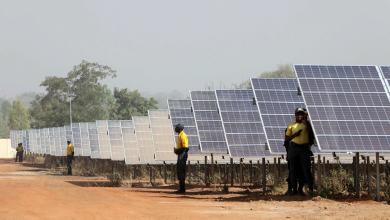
288 192
300 192
294 191
179 191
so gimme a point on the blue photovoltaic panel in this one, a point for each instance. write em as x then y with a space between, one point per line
277 100
242 124
116 141
180 112
208 122
339 100
64 143
84 134
76 133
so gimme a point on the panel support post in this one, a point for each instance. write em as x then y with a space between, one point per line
212 169
205 169
241 174
275 173
264 175
323 167
150 173
368 175
165 173
319 171
250 172
378 195
172 174
387 170
312 169
226 179
112 167
357 171
279 168
364 171
231 172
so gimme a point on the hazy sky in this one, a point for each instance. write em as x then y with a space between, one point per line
166 45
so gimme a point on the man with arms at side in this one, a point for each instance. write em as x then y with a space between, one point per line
182 154
69 156
19 153
297 135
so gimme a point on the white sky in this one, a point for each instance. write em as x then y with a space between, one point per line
165 45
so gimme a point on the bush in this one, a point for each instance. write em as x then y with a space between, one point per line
115 179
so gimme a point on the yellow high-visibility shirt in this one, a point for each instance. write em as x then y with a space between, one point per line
295 127
19 149
182 140
69 150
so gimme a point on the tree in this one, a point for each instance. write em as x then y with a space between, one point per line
129 104
4 115
18 117
283 71
90 100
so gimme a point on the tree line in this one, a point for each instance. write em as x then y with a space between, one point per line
90 99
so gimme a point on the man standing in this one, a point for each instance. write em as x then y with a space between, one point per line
182 154
69 156
19 153
297 135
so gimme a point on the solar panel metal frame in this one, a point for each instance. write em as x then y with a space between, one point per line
158 138
143 121
194 153
220 99
202 146
386 89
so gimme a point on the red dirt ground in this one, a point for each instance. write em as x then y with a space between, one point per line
28 191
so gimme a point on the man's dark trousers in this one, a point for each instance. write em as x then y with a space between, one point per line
17 155
301 177
299 158
69 161
181 169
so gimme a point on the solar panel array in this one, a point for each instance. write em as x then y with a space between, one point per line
130 142
144 139
208 122
348 105
116 142
162 136
180 111
93 140
241 123
104 140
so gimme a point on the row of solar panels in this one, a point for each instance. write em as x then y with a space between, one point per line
348 107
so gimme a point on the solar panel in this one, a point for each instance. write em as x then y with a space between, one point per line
116 142
68 135
47 140
93 140
104 140
241 123
144 139
84 134
208 122
63 142
162 136
130 142
76 133
180 112
57 142
52 146
348 106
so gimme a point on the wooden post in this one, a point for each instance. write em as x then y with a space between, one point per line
250 172
150 174
357 175
189 171
279 168
264 176
354 171
368 175
258 171
123 169
319 172
212 169
226 174
172 174
112 166
241 174
364 171
231 172
378 198
387 170
328 167
165 173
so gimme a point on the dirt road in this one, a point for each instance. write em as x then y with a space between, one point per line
29 191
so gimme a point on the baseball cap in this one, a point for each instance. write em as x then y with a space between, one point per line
180 126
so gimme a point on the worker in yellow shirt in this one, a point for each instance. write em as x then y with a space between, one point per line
69 156
299 150
19 153
182 154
